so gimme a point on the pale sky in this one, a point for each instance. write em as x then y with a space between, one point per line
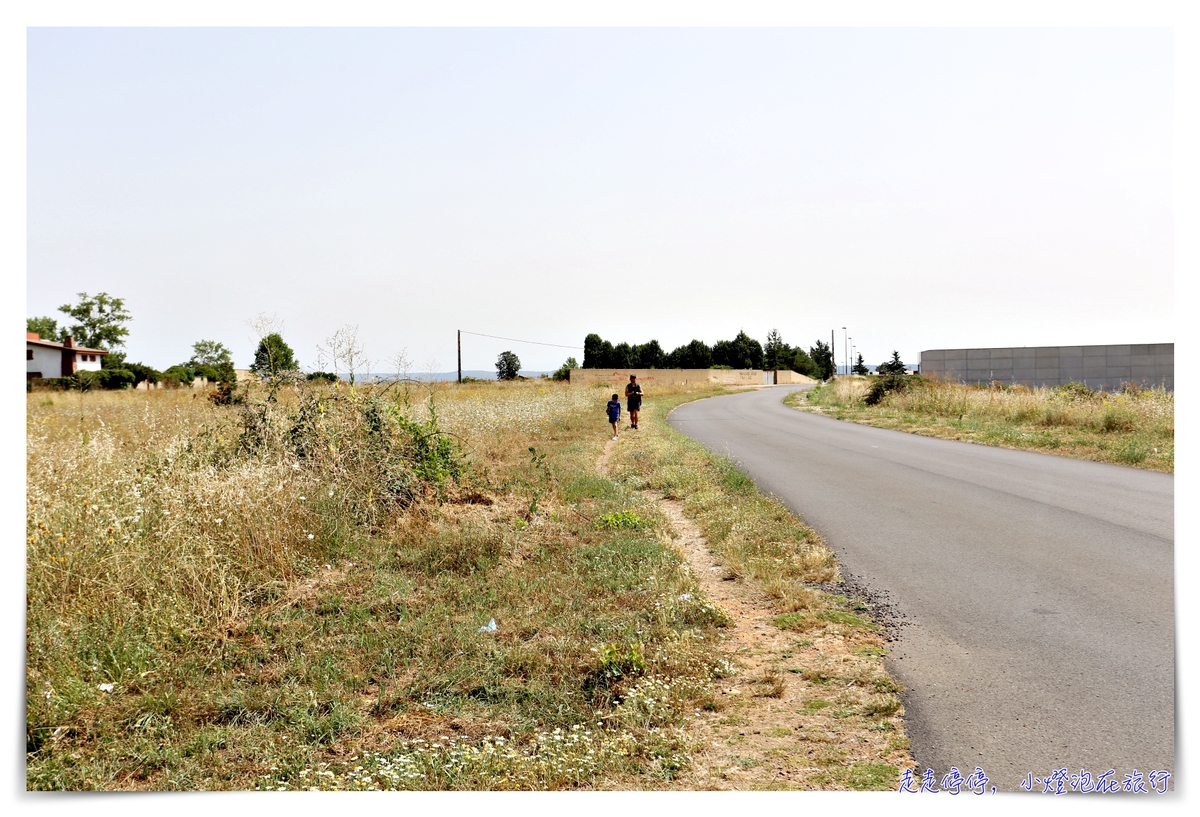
926 188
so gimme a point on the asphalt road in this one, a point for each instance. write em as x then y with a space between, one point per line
1037 590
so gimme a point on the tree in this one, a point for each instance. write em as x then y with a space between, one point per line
273 357
597 352
696 355
564 371
212 360
100 321
822 356
802 363
621 357
775 352
859 366
174 375
648 356
507 366
46 328
895 366
743 352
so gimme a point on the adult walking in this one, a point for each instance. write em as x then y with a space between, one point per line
633 400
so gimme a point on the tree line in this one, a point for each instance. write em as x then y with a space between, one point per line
742 352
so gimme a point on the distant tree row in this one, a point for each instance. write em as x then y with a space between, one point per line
743 352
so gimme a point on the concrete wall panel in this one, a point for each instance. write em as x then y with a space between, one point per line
1098 366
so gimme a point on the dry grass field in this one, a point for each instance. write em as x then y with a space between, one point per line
1133 427
299 593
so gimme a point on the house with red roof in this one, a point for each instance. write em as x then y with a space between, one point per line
48 358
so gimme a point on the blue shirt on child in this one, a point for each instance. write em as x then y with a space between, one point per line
614 411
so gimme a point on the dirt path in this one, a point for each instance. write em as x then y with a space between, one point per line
774 729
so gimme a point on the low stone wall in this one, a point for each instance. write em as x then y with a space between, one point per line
1100 367
667 377
789 377
197 383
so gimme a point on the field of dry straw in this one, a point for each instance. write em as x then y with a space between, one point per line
1131 427
300 593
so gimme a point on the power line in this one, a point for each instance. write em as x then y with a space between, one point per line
518 340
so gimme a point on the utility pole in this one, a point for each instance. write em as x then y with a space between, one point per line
459 355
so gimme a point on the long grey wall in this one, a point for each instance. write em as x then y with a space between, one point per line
1100 367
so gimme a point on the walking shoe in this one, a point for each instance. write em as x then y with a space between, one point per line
616 438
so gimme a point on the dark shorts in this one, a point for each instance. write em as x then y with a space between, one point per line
635 403
612 419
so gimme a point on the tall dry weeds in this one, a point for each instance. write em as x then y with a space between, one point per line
1134 426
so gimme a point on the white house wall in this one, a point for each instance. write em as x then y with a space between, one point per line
46 360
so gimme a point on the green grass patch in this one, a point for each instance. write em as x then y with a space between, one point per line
873 777
622 520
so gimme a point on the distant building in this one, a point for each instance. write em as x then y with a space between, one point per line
1098 367
48 358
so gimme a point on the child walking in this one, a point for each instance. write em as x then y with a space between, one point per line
614 414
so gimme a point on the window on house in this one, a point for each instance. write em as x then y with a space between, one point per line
29 354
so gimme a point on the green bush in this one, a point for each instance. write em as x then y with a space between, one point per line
142 372
55 383
622 520
176 375
381 459
881 387
564 371
1074 391
325 377
117 379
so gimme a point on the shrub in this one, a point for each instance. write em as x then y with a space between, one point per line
226 394
1074 391
564 371
175 375
326 377
117 378
380 459
622 520
1117 417
142 372
883 386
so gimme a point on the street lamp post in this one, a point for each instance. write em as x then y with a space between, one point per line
845 346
